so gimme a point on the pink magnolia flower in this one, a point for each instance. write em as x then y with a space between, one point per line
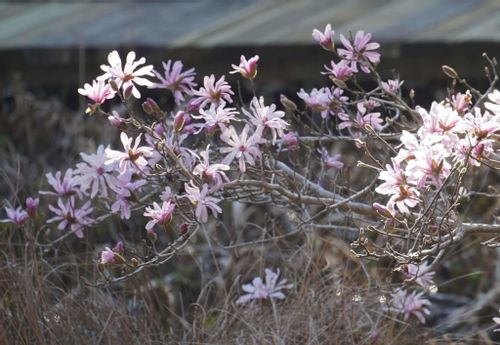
174 79
331 161
269 289
68 214
410 304
248 69
127 76
291 141
123 189
98 92
132 157
242 147
360 52
212 172
340 70
461 102
68 186
217 116
429 164
107 256
391 86
17 216
473 150
481 125
202 200
116 120
159 214
94 173
262 117
212 92
325 39
420 274
440 119
324 100
32 206
494 102
363 118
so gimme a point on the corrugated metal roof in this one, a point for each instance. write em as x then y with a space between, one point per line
205 23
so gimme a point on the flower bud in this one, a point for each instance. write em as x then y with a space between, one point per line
183 229
119 248
114 85
134 262
127 93
450 72
179 121
32 206
288 104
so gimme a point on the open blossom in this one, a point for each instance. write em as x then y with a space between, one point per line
212 92
410 304
94 173
159 214
259 290
461 101
248 69
123 188
69 184
202 200
212 172
325 39
174 79
340 70
116 120
428 164
324 100
291 141
262 117
68 214
242 147
98 92
419 273
331 161
494 102
217 116
107 256
133 156
473 150
481 125
17 216
439 120
360 52
391 86
363 118
128 75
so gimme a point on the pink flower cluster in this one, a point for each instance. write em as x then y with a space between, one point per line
268 289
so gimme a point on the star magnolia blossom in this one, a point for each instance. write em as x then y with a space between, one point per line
419 273
217 116
133 156
242 147
69 185
262 117
392 86
340 70
17 216
331 161
94 173
123 189
98 92
174 79
127 76
107 256
214 173
212 92
410 304
248 69
363 118
269 289
360 52
68 214
325 39
160 215
202 200
324 100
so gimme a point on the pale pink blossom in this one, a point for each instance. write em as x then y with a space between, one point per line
393 178
409 304
17 216
266 117
331 161
174 79
325 38
248 69
202 201
461 102
291 141
214 173
242 147
440 119
494 102
324 100
361 52
391 85
420 274
340 70
116 120
107 256
99 91
129 75
429 164
66 186
69 215
123 188
261 290
133 156
217 116
481 125
159 214
212 92
363 119
473 150
94 173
